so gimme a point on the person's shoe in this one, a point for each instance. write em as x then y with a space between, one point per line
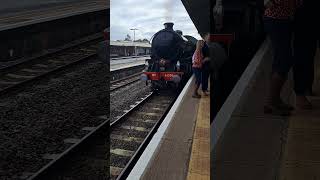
276 110
303 103
196 96
205 93
274 103
282 105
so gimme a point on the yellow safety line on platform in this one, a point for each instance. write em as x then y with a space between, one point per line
199 164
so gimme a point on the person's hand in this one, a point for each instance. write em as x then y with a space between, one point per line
201 43
205 60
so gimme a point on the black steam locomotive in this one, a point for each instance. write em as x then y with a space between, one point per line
171 58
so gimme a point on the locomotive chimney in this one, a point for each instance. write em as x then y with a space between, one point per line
168 25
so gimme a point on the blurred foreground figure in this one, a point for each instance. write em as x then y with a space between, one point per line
305 45
278 19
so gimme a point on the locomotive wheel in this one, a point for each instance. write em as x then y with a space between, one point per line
154 86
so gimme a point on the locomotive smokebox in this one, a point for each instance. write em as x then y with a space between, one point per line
168 25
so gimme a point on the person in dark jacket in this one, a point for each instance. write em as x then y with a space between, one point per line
205 63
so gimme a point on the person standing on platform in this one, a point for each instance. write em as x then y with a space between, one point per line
196 66
205 63
305 45
278 21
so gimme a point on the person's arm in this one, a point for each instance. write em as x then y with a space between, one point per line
206 54
206 59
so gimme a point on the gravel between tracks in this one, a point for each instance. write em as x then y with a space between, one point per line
93 163
122 99
36 121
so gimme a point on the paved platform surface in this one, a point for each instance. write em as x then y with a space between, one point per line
34 14
301 157
170 161
126 63
261 146
185 140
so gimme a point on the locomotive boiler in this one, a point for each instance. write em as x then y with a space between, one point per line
171 58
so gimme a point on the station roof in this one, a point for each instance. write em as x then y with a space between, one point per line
199 12
129 44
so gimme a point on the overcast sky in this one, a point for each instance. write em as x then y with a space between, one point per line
148 16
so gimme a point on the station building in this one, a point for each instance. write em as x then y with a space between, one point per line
126 48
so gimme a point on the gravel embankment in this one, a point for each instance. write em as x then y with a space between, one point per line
93 162
36 121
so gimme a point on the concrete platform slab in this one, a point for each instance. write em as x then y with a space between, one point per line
167 155
20 18
248 143
301 157
172 156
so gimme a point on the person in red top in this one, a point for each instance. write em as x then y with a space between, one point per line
282 9
196 66
278 18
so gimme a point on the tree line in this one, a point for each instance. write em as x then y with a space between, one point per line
128 38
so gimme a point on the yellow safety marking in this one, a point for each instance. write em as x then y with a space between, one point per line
199 164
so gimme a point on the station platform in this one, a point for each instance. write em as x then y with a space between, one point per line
39 29
38 14
248 144
180 148
126 63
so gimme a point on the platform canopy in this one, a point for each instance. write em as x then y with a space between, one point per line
199 12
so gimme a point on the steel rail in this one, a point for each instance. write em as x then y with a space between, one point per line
129 166
124 79
55 164
48 72
51 52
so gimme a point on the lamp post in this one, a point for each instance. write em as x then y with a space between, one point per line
134 38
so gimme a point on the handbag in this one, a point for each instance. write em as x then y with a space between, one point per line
197 59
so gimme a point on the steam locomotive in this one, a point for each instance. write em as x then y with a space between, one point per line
171 58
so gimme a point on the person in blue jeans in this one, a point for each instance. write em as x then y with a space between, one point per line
205 63
197 67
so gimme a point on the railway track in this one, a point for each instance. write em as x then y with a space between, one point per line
123 82
131 133
129 136
18 75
